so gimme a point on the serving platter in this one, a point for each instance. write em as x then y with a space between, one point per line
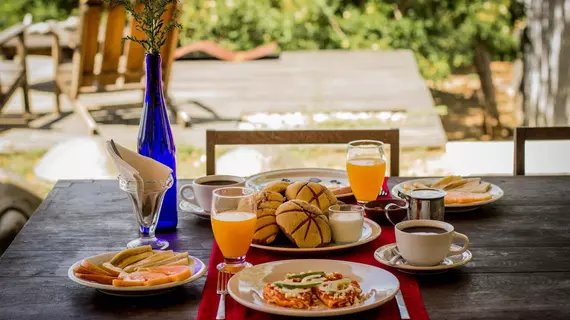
330 178
370 231
246 287
197 267
495 192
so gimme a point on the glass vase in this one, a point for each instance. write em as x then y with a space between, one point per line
155 138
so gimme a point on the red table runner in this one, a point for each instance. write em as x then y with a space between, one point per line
361 254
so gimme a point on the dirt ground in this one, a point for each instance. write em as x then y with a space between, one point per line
461 96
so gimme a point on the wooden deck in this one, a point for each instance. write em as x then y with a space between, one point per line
315 82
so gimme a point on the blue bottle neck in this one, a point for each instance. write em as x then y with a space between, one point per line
153 74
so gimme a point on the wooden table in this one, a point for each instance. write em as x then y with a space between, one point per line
520 269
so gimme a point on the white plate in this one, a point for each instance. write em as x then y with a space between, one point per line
246 287
370 231
495 192
198 269
385 254
330 178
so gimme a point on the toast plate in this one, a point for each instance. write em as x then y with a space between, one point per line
370 231
246 287
330 178
495 192
197 267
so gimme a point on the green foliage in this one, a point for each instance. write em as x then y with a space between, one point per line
13 11
150 22
441 33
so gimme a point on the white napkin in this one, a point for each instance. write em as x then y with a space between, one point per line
135 167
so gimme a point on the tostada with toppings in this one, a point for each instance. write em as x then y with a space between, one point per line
314 290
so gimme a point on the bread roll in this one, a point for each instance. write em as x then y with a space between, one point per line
266 228
314 193
304 224
277 186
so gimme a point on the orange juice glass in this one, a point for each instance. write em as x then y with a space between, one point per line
233 223
366 168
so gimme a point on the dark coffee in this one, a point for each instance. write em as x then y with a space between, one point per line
217 182
424 230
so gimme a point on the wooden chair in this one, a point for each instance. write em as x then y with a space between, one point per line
523 134
14 75
213 138
107 66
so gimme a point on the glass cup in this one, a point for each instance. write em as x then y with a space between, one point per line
346 222
366 168
233 217
146 197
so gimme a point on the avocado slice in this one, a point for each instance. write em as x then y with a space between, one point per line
297 285
333 285
306 274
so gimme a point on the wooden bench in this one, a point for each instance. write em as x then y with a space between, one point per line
14 75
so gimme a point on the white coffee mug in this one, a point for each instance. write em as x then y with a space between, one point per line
201 189
428 243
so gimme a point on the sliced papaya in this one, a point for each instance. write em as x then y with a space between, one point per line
127 283
80 269
115 271
94 268
175 273
99 278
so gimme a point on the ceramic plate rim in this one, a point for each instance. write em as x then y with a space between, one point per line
418 268
494 198
107 287
267 308
373 225
248 182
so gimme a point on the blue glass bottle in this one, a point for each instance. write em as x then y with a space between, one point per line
155 136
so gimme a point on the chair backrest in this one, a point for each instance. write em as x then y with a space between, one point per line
103 62
213 138
523 134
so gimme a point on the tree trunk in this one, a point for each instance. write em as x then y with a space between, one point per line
547 63
483 65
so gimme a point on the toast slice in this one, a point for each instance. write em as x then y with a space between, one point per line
465 197
175 258
463 185
441 183
160 256
120 257
482 188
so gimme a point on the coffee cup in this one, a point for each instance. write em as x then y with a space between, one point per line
427 242
201 188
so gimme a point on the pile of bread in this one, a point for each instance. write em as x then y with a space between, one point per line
299 210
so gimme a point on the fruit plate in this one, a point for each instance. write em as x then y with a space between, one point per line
246 287
330 178
197 267
370 231
495 192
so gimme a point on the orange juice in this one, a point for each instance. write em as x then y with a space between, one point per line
233 231
366 176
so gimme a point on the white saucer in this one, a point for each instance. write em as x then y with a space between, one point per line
386 253
193 209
